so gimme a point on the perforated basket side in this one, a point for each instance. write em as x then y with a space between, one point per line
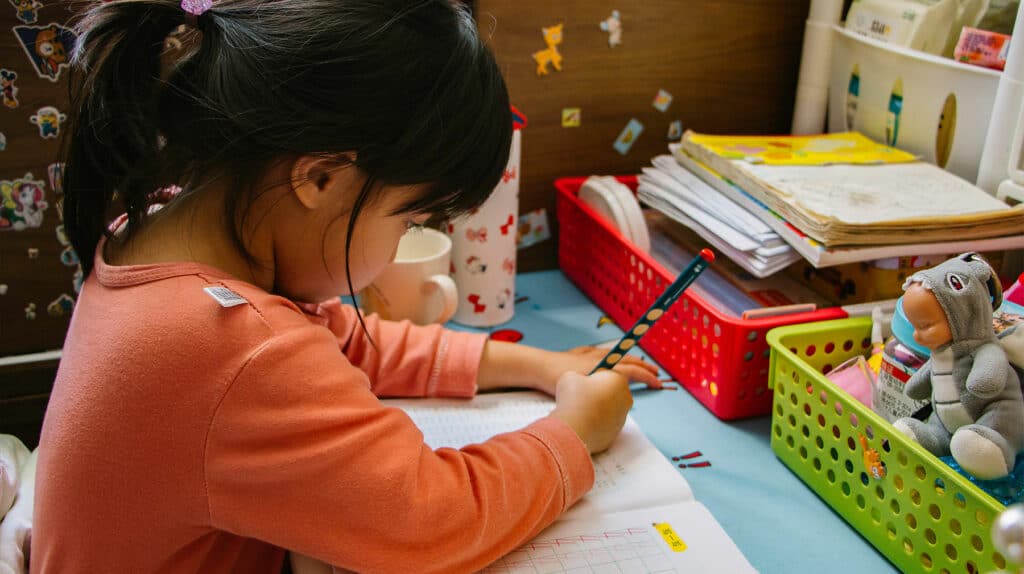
722 363
922 515
721 360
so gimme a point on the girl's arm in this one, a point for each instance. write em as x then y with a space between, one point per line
407 360
301 454
414 361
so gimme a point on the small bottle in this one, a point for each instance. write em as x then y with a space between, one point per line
901 358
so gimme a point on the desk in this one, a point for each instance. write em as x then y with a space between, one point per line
778 523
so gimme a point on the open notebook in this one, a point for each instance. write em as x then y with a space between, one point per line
641 515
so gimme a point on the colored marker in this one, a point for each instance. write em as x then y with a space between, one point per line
657 310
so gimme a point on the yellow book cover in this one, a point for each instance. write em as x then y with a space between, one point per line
837 148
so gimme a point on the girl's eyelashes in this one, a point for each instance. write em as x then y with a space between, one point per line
417 222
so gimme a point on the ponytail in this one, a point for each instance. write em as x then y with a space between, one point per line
112 140
406 87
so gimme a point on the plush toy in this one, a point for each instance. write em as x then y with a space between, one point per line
16 528
978 408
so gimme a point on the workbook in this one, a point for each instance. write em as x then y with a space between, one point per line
857 202
641 515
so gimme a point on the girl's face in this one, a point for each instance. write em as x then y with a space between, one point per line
309 240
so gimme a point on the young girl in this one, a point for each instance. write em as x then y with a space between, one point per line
208 413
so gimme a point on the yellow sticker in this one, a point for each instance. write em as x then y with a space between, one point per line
671 538
571 118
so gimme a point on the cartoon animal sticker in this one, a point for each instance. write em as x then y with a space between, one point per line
22 202
613 25
27 10
675 130
60 306
7 87
662 100
625 141
68 257
532 228
550 55
47 48
55 171
572 117
475 265
48 118
872 461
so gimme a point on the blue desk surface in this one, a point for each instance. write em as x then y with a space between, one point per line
778 523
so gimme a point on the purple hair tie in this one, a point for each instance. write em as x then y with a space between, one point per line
196 8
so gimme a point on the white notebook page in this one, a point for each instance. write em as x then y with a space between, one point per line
631 474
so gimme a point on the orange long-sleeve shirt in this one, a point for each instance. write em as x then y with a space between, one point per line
185 436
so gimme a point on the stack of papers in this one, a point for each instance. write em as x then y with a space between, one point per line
818 254
736 232
868 199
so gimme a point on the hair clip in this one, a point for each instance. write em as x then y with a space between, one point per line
196 7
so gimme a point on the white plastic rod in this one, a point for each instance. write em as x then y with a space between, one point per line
995 156
815 67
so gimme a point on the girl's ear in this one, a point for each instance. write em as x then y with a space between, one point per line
315 180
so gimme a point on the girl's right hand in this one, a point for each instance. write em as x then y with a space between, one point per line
594 406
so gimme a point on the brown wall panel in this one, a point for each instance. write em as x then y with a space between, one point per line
730 65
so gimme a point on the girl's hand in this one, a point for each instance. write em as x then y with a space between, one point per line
582 360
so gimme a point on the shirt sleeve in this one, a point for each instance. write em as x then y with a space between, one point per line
302 455
407 360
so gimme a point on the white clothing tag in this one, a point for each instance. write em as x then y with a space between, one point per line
226 297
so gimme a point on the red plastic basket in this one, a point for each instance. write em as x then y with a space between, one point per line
721 360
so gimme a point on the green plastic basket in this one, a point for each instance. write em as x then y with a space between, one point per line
921 514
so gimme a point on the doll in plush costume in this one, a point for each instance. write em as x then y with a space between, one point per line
978 414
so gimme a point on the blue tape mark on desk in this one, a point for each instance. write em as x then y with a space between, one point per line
778 523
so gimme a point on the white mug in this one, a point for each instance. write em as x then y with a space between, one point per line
416 285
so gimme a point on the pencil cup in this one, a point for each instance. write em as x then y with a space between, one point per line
484 252
416 285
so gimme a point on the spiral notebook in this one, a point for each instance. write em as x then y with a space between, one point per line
641 515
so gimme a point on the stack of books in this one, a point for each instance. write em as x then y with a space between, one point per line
833 199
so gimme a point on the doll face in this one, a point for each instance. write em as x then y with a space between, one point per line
931 328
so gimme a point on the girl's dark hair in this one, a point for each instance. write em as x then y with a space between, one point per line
407 85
